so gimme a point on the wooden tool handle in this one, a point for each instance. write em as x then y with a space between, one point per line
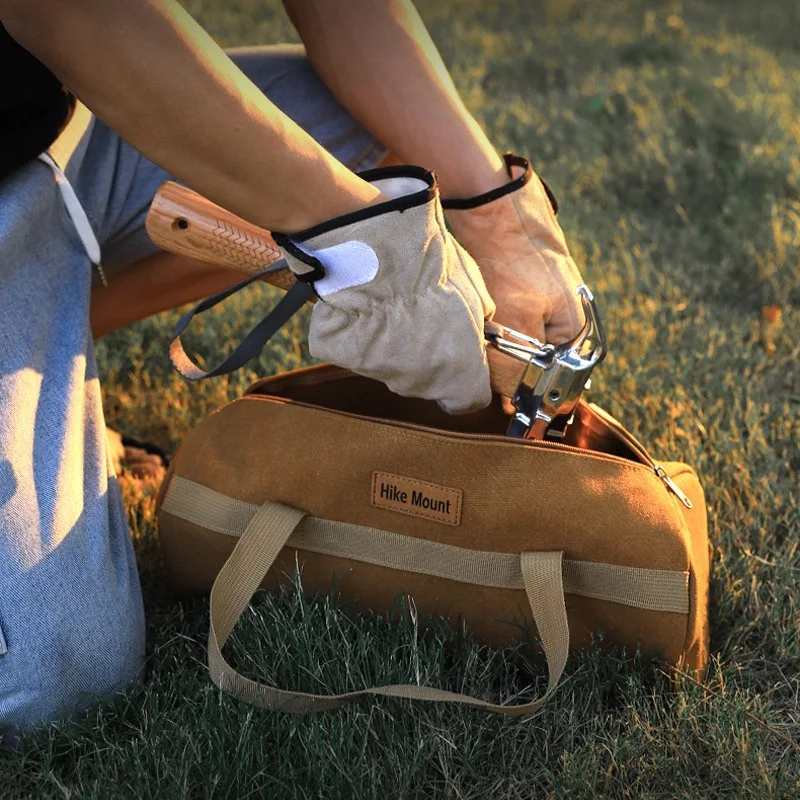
184 222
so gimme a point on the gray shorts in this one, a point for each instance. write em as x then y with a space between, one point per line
71 619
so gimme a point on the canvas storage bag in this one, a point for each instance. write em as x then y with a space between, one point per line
387 495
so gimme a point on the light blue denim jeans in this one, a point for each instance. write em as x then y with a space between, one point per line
71 617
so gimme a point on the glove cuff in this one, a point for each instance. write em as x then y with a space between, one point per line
511 161
407 186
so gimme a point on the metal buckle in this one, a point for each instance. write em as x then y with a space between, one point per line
556 375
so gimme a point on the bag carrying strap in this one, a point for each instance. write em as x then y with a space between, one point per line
254 555
251 345
638 587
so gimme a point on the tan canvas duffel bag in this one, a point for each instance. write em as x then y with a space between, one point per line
388 495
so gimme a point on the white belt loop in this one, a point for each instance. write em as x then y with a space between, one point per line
78 215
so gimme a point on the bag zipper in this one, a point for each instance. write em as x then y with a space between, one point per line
637 447
672 486
646 460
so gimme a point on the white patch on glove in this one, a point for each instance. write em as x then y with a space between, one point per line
346 265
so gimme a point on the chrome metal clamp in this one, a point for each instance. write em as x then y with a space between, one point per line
555 376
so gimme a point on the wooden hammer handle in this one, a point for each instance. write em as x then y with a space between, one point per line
184 222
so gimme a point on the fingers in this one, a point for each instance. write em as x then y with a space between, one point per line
566 320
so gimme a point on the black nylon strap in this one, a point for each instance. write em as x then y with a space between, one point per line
317 271
251 345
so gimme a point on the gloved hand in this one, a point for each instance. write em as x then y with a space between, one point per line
520 248
400 300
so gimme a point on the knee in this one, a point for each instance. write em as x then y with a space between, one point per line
69 663
97 660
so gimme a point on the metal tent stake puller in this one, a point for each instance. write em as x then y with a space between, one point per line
555 376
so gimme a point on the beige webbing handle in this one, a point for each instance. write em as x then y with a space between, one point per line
256 551
184 222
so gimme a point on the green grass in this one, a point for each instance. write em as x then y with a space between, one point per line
670 134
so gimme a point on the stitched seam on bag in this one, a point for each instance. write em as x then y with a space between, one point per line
442 437
691 617
685 469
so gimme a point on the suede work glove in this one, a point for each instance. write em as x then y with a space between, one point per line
399 300
520 248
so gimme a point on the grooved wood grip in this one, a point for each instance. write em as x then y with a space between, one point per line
184 222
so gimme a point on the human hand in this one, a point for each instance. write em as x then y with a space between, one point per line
400 300
513 235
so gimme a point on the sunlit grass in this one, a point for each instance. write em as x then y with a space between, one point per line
669 132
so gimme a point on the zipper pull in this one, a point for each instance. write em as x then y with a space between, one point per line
671 485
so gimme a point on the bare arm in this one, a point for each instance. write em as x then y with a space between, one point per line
154 76
379 60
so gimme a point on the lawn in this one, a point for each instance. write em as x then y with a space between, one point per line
669 132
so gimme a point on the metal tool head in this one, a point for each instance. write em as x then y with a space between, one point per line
556 375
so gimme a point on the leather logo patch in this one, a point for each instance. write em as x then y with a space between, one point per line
418 498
